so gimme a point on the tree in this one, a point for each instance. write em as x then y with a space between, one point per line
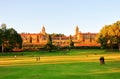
57 35
114 33
71 43
110 36
16 40
49 46
1 36
103 36
103 41
49 40
9 38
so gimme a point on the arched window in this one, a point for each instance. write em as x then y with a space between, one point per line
30 39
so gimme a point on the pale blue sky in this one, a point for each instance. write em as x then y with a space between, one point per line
59 16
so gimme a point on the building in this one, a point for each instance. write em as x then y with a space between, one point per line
85 39
38 40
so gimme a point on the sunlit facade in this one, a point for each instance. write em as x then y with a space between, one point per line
38 40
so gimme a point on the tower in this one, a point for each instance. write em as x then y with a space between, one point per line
77 30
78 34
43 31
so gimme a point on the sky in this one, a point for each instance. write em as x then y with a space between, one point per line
59 16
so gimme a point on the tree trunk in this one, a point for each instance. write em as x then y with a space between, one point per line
2 47
111 46
119 46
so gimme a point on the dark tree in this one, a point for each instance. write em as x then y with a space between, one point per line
71 43
9 39
49 46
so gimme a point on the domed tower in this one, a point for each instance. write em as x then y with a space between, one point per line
77 30
43 31
78 33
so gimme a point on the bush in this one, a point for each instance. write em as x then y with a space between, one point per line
80 47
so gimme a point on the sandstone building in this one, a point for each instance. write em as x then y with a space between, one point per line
38 40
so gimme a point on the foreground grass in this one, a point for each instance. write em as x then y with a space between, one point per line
72 56
80 70
74 64
59 53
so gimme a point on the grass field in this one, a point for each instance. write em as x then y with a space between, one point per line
74 64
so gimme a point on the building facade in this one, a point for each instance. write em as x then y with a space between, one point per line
38 40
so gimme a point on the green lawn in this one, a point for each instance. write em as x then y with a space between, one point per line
59 53
81 70
73 64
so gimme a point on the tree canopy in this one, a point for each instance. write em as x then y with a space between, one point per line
9 38
109 36
55 34
71 43
49 45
